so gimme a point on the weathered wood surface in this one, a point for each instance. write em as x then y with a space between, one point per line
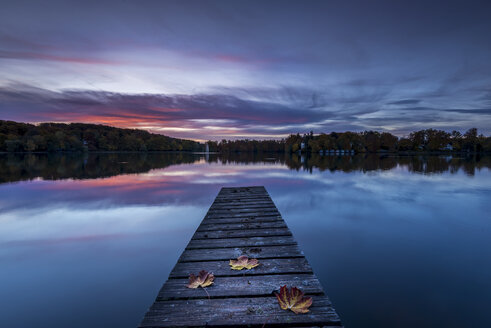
241 221
238 312
242 242
239 212
216 234
222 268
210 254
241 215
239 206
249 219
243 206
239 286
244 200
205 226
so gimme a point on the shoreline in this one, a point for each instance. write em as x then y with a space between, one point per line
408 153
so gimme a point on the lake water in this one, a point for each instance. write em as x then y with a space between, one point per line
88 240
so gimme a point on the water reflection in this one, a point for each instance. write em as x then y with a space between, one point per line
396 241
368 162
16 167
19 167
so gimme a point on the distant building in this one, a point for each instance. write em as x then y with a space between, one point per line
448 147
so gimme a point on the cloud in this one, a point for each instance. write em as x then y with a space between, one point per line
235 112
405 102
476 111
202 113
484 111
51 57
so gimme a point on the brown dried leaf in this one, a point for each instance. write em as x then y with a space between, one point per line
243 262
204 279
294 300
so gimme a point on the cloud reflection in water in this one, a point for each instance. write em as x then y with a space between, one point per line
383 234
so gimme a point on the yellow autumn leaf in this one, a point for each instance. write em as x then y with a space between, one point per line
243 262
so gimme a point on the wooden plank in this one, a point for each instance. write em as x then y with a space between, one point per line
237 195
232 204
233 312
221 197
222 268
263 194
240 206
243 220
237 189
244 209
242 194
242 242
245 212
240 286
277 215
232 190
243 204
225 254
241 200
241 189
224 193
242 215
241 226
241 233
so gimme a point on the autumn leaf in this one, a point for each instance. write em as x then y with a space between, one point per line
294 300
204 279
243 262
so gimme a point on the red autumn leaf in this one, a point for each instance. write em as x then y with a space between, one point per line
294 300
243 262
203 279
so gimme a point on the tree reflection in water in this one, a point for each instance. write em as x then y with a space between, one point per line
19 167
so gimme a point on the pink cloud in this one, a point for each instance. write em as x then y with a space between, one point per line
198 117
39 56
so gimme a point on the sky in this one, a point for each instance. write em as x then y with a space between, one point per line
248 69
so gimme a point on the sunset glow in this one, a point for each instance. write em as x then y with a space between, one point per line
248 69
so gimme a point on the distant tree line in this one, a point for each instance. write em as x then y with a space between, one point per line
428 140
52 137
371 141
246 145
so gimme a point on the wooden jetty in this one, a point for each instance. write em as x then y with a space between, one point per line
241 221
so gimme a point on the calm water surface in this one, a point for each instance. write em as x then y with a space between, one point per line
87 241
